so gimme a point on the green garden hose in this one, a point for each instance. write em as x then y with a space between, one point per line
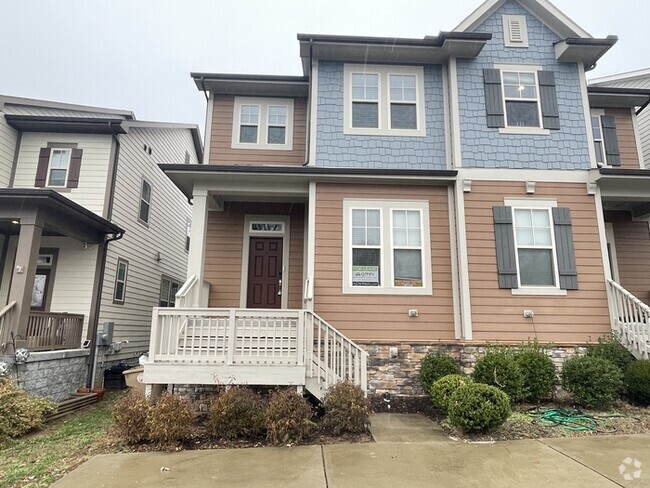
571 419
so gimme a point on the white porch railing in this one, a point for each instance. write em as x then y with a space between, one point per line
630 320
258 338
190 292
5 318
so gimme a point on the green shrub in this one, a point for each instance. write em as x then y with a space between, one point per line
347 410
610 348
538 372
170 420
288 417
237 412
442 389
131 415
20 412
594 382
637 381
499 368
478 407
435 366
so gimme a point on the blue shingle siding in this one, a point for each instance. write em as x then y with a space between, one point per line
336 149
483 147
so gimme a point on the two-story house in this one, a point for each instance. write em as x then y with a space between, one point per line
91 232
406 196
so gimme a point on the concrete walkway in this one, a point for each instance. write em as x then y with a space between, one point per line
413 462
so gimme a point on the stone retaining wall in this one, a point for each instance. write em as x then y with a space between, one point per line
53 374
398 374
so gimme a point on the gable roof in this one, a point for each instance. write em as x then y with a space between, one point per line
544 10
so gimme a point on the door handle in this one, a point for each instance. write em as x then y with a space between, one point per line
280 287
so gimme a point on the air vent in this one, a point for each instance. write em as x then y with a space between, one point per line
515 31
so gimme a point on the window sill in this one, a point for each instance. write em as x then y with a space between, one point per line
531 131
357 131
372 290
262 147
541 291
60 189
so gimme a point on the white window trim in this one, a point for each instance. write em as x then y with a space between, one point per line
507 40
598 112
386 208
169 290
527 68
263 123
384 100
67 170
535 204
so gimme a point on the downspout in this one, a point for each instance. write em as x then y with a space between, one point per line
205 93
94 320
311 94
642 107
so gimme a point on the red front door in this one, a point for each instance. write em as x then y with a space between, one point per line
265 273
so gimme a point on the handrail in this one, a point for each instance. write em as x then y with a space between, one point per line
630 320
4 315
186 288
309 289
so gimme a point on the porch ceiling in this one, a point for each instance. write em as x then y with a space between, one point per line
58 215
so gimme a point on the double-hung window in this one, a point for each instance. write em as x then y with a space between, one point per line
168 290
521 98
384 100
386 247
262 123
605 139
57 174
535 247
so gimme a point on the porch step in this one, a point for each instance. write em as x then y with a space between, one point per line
76 402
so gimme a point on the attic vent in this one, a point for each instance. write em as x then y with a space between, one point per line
515 32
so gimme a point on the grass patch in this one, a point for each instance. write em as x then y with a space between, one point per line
39 459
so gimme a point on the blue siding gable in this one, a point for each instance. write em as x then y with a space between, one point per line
336 149
484 147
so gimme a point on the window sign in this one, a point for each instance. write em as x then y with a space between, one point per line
365 275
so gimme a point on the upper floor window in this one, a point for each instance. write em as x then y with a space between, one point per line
263 123
145 202
603 129
386 247
384 100
521 99
59 166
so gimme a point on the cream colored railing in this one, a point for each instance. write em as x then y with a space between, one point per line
630 320
5 318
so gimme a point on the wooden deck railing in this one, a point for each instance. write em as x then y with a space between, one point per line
48 331
232 338
630 320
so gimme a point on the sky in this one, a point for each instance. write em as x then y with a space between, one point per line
138 54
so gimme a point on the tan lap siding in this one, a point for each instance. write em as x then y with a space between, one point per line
221 151
625 135
224 251
632 241
497 315
382 317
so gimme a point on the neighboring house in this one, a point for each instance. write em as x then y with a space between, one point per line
411 195
636 80
91 231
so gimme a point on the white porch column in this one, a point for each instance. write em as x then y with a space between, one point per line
196 258
310 250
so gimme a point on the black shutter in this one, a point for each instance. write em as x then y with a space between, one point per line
41 169
493 98
612 151
566 255
75 168
505 245
548 98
